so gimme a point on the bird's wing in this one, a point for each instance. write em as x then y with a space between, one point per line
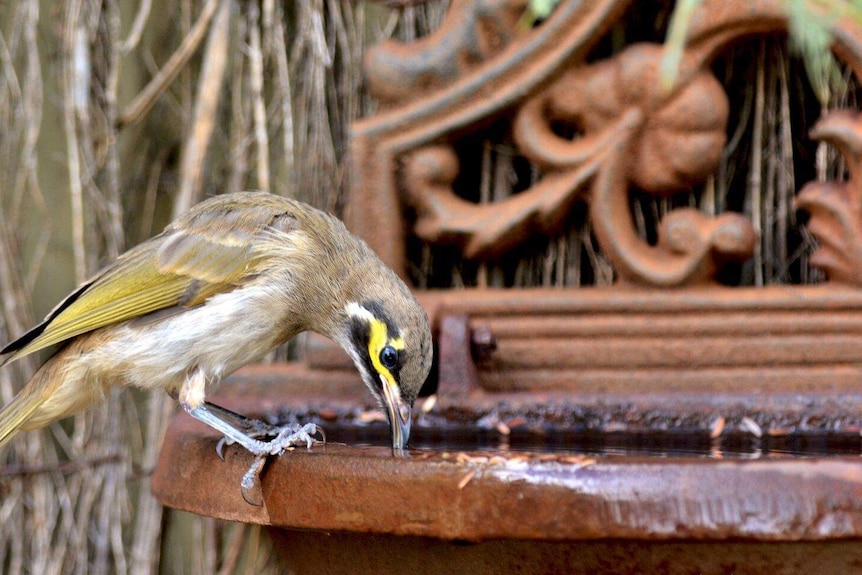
209 251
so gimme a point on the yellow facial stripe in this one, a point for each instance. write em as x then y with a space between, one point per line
378 339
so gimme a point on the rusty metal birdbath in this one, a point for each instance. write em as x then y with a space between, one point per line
567 508
664 424
537 482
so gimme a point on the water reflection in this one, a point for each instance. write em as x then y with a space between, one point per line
665 444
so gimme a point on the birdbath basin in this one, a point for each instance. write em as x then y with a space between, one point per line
499 494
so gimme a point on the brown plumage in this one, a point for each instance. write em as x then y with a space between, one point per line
220 287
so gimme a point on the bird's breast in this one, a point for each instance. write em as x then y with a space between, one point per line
226 332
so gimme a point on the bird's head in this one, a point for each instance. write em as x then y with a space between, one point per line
361 303
389 339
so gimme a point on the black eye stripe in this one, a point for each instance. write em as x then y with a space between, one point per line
390 357
359 333
377 310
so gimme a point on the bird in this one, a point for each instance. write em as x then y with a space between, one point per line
223 284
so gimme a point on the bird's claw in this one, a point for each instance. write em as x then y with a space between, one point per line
250 484
292 435
286 437
220 447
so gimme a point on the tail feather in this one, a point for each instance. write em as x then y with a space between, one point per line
38 403
17 412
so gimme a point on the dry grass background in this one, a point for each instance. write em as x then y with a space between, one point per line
117 114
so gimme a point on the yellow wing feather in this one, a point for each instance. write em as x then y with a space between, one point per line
208 251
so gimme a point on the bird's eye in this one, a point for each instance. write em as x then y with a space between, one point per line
389 357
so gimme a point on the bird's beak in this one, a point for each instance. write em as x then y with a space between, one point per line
399 415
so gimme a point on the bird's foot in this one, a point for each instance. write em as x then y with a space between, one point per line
247 432
284 437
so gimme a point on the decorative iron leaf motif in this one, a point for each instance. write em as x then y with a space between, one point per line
631 132
835 208
471 33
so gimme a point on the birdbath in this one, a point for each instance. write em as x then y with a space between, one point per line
540 481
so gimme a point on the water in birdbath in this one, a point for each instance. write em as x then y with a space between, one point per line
742 440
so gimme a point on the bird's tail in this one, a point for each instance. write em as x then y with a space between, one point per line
16 413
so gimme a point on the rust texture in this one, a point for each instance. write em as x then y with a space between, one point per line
477 496
633 132
307 552
800 339
472 33
836 208
470 96
341 509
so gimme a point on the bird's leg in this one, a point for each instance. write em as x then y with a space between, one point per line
227 422
253 427
250 426
237 428
257 447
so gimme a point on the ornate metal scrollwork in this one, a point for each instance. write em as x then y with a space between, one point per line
836 208
631 132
